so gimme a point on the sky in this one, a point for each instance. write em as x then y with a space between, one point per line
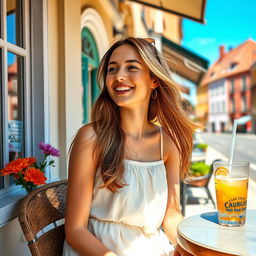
228 23
11 36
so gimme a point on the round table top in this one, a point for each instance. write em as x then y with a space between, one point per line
204 230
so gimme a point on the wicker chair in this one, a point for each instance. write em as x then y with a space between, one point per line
41 216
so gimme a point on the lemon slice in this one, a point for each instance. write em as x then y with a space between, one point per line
221 171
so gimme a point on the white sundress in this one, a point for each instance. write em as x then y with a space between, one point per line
128 221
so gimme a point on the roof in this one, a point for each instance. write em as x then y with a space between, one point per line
12 68
184 62
233 62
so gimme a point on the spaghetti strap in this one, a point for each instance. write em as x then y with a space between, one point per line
161 142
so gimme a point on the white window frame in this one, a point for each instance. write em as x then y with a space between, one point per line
36 109
10 194
24 53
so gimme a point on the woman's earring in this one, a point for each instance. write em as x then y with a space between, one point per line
154 94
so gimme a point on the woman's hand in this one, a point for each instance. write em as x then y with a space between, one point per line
179 251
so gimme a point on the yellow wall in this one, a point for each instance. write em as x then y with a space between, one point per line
172 27
202 105
171 24
105 11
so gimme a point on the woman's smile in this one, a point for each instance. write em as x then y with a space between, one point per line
122 89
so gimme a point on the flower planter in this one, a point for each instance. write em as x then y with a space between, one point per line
198 181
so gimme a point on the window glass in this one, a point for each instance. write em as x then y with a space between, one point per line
15 106
1 121
14 22
233 105
244 104
232 86
243 84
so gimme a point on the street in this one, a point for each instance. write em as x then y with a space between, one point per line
245 148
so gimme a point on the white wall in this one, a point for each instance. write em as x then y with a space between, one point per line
217 96
65 84
12 241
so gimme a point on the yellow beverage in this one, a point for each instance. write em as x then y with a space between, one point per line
231 194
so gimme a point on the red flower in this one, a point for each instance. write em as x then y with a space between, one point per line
35 176
17 165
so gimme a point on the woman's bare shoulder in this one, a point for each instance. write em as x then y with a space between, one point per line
86 134
170 148
82 147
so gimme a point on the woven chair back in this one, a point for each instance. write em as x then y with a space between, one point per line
41 216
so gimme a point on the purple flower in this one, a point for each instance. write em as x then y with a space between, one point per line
47 149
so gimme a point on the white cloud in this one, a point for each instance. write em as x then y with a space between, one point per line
203 41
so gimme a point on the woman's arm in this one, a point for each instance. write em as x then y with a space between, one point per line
82 170
173 214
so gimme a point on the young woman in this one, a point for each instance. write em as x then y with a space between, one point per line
124 170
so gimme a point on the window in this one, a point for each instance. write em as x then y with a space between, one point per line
90 62
232 86
223 106
216 91
222 91
218 107
213 108
244 107
243 87
233 66
233 108
19 72
13 52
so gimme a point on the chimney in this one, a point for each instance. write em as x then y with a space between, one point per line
222 51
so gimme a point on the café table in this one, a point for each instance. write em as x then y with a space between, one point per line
201 235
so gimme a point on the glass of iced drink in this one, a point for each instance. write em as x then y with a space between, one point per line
231 185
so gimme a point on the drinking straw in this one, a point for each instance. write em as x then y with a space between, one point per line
231 154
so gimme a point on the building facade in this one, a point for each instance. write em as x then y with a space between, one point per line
230 75
253 96
240 98
201 108
218 118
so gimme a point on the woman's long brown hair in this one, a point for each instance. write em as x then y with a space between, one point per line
166 109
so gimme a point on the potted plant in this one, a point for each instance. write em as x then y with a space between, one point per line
201 146
28 172
200 174
199 169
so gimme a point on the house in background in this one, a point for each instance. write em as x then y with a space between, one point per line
253 94
229 88
55 47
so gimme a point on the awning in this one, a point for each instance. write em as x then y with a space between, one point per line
191 9
243 120
184 62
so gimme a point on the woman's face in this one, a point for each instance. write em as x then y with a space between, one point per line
128 79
